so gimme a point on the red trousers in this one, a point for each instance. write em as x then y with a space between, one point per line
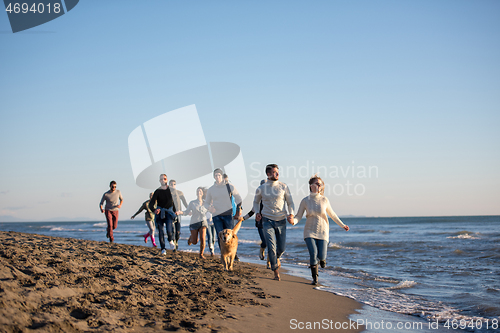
112 218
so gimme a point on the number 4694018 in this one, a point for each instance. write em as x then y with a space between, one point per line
472 324
35 8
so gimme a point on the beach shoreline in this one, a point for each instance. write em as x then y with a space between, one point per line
64 284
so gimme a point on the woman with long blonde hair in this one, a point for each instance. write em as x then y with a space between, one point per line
316 231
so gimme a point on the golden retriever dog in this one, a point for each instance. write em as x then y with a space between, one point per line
228 245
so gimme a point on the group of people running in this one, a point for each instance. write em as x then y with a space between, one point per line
164 212
219 207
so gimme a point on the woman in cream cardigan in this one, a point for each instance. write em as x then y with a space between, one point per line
316 230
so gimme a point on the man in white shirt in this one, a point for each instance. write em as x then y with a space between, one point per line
274 194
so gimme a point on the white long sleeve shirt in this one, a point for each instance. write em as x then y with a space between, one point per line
317 208
274 195
218 196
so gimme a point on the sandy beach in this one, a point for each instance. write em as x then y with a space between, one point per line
56 284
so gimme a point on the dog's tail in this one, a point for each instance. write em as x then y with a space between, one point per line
237 226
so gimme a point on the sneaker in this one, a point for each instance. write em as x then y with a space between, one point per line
172 245
163 252
261 253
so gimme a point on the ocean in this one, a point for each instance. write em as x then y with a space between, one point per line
425 274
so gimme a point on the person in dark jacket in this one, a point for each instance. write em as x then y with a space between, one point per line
165 213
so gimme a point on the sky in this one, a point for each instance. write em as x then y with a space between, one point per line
404 93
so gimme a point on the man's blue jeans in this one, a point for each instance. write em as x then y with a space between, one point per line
176 228
222 222
160 225
211 236
275 235
317 249
262 238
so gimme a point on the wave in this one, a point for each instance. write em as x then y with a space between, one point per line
463 232
102 225
190 250
67 229
367 231
403 285
247 241
117 231
374 291
60 229
358 245
465 236
386 280
337 246
492 290
390 299
364 231
359 275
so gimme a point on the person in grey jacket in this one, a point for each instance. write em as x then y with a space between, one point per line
218 202
178 197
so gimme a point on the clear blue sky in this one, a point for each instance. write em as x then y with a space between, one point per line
411 88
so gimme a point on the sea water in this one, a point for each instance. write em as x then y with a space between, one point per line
426 274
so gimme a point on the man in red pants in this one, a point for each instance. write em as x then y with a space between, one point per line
114 201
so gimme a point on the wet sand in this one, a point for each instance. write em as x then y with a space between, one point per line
52 284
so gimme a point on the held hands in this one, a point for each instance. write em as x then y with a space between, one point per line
157 211
238 214
258 217
179 212
290 219
211 209
346 227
